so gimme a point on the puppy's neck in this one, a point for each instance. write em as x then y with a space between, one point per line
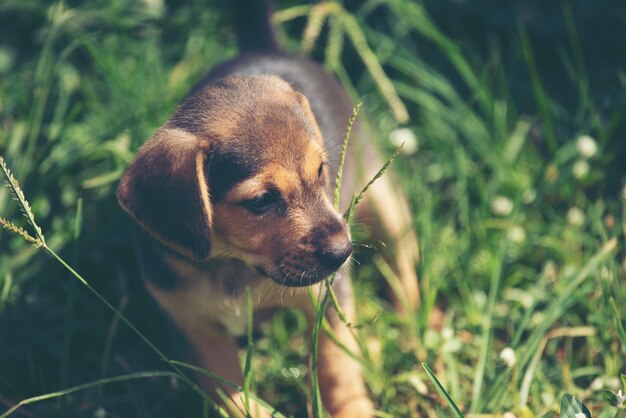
166 269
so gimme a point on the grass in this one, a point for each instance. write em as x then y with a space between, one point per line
521 228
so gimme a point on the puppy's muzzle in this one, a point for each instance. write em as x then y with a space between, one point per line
318 255
334 252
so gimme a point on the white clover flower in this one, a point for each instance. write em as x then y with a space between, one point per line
100 413
405 136
516 234
612 383
586 146
69 79
580 169
508 356
597 384
480 299
575 216
568 270
6 60
447 333
451 346
501 206
419 386
529 196
154 7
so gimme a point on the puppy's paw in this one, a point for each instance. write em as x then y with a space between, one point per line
355 408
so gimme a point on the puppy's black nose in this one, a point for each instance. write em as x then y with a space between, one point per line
334 254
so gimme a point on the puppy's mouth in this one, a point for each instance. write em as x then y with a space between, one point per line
295 277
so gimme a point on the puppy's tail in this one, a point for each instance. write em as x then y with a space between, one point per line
253 25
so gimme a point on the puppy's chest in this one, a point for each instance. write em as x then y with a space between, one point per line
206 295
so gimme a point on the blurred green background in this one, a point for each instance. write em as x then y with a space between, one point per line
515 172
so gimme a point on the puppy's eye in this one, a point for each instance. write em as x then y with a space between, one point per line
320 173
261 203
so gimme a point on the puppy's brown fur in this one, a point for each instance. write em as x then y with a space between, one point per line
234 192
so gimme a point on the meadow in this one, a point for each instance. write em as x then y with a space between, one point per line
511 117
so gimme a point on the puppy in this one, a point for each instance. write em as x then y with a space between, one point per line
235 191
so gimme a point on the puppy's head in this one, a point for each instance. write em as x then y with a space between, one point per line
240 170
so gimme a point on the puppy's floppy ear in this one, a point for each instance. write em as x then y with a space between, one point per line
166 192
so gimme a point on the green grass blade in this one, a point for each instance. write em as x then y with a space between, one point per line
530 370
315 21
344 148
442 391
356 199
290 13
486 329
225 382
617 318
317 407
247 370
539 91
97 383
44 78
354 32
573 408
334 48
335 301
7 284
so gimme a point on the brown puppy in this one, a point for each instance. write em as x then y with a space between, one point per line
234 192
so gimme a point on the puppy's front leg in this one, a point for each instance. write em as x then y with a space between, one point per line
216 351
213 348
341 382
